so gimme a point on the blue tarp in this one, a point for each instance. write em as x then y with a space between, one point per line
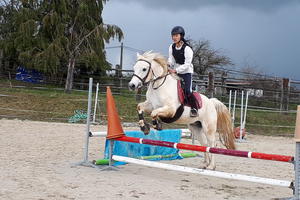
136 150
31 76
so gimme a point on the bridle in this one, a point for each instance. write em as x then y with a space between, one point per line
143 80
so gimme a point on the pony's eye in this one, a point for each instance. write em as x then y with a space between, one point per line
144 69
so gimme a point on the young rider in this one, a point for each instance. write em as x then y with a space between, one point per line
180 59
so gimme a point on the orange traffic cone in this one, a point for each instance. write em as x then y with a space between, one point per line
114 129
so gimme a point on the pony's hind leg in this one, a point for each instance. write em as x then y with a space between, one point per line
157 124
211 139
199 132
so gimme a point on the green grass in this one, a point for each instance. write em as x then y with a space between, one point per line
54 105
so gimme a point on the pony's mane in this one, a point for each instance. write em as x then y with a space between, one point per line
157 57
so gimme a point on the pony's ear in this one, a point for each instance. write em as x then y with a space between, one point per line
137 54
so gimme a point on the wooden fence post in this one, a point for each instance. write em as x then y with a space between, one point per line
285 93
211 84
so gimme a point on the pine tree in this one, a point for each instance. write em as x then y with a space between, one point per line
63 32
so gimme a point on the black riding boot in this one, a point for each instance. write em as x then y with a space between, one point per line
192 102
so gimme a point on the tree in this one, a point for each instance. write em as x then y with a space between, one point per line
7 29
205 57
63 33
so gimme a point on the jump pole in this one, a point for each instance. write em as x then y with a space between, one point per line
184 133
218 174
215 150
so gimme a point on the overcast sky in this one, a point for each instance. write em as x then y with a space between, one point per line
262 33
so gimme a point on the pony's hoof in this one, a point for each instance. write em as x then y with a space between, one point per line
203 166
210 167
158 126
145 129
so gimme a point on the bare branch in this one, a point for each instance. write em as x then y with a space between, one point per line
205 57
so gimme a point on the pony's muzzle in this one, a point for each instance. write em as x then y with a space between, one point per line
131 86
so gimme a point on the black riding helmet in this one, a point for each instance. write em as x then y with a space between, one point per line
178 30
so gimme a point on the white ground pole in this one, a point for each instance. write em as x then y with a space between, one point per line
85 161
96 103
219 174
234 104
229 104
184 133
242 114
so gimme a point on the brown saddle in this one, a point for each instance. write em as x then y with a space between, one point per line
183 98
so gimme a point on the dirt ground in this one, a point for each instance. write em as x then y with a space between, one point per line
36 160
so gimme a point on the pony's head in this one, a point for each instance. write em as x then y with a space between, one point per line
147 67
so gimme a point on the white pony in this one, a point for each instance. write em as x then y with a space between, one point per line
162 103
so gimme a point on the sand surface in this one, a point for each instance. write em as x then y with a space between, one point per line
36 159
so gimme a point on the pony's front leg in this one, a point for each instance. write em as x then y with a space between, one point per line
141 108
165 111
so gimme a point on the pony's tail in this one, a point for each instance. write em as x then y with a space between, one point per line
224 124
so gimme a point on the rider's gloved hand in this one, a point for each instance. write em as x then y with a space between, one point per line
172 70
